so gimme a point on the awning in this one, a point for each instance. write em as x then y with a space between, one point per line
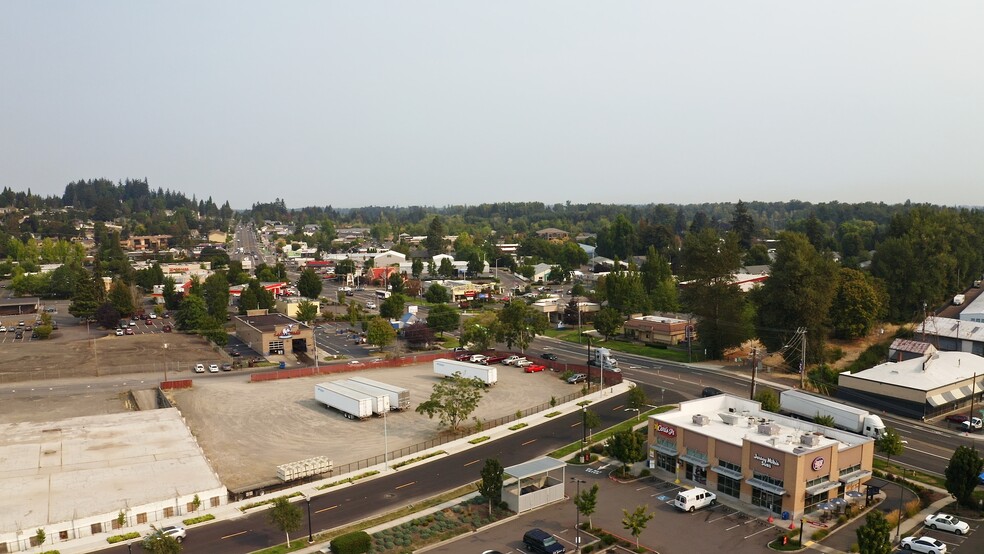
669 451
699 462
726 472
822 487
949 396
854 476
768 487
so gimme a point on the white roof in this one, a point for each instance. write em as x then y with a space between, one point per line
950 328
734 420
930 372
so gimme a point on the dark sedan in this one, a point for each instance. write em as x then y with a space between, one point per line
549 356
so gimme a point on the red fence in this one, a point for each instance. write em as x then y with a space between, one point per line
342 368
179 384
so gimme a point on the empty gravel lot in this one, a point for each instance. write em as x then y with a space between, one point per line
247 429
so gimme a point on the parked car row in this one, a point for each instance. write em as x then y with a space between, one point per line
212 368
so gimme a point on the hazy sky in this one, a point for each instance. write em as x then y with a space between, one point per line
436 103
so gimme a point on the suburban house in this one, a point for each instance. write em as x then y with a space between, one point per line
146 242
552 233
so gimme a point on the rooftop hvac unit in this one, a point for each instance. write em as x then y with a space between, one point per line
770 429
701 420
810 439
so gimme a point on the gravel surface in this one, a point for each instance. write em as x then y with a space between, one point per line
247 429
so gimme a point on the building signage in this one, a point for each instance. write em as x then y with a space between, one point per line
286 332
767 462
817 464
666 430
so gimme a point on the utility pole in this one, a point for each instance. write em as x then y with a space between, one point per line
751 393
973 385
803 359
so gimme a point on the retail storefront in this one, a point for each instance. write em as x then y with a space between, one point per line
729 445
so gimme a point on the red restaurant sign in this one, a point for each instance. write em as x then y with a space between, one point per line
664 429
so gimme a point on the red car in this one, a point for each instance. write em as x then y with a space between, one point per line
534 368
149 321
463 357
493 360
167 329
957 418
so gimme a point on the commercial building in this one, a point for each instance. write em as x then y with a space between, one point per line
652 329
103 474
926 386
731 446
274 333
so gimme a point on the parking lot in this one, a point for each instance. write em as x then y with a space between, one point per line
718 529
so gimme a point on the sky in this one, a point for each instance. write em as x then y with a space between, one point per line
445 103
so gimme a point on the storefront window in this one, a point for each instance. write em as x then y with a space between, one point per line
696 473
667 462
767 500
729 486
812 501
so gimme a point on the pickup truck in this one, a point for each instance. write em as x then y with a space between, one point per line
973 424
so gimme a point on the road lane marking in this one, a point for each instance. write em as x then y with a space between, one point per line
471 462
406 485
575 424
234 535
528 442
326 509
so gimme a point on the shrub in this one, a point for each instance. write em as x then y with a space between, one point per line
925 497
357 542
125 537
820 534
892 518
608 540
912 507
645 473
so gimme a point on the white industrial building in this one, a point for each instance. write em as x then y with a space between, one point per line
100 474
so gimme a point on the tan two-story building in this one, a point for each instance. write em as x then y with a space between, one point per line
730 446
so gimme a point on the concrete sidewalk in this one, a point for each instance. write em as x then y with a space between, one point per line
233 510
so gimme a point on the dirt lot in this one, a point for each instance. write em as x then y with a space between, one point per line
66 356
247 429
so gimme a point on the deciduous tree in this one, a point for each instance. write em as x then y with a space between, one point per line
608 321
961 474
453 400
890 444
491 484
380 332
519 324
443 318
635 522
285 516
875 536
626 447
587 501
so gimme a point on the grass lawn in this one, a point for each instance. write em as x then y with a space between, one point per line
656 352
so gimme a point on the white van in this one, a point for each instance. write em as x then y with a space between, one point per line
693 499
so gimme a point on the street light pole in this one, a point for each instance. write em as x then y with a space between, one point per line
577 527
385 444
898 530
584 432
310 534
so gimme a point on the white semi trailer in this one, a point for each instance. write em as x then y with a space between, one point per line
380 400
487 374
351 404
845 417
399 396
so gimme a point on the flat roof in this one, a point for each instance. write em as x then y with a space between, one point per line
53 472
534 467
951 328
21 301
269 322
926 373
734 420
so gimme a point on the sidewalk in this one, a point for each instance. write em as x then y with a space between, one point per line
232 510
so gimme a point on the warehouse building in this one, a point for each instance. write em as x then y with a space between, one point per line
922 387
729 445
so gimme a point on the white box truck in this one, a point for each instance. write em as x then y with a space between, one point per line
399 396
380 400
849 418
353 405
487 374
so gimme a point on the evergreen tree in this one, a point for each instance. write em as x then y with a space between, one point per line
121 298
875 536
491 484
309 283
961 475
743 225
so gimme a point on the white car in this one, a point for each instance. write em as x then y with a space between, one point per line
213 368
478 358
153 316
511 360
199 368
3 329
947 522
927 545
175 531
523 362
119 332
370 305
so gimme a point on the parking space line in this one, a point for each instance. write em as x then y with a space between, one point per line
764 529
722 517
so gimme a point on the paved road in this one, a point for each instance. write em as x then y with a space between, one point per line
400 487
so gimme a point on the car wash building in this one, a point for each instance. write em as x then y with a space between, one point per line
274 334
787 466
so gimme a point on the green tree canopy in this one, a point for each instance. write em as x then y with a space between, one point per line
875 536
519 324
307 311
285 516
626 447
309 283
437 294
491 484
393 306
890 444
380 332
453 400
636 521
587 502
857 304
961 474
443 318
608 321
480 331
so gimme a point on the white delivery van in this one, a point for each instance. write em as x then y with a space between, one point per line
693 499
